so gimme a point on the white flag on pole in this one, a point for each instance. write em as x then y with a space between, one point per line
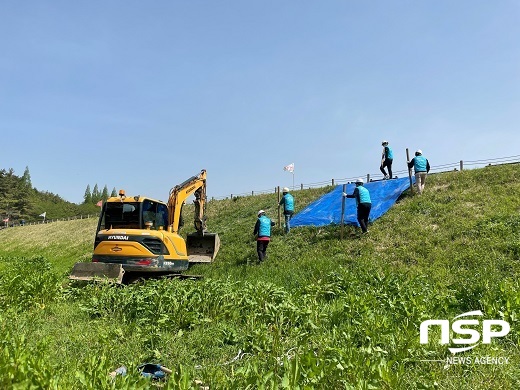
43 214
289 168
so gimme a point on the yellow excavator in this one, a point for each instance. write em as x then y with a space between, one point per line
139 236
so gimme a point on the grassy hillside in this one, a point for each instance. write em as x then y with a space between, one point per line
318 313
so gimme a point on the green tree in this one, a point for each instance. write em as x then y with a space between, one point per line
22 195
113 193
104 193
88 195
3 192
96 195
14 194
26 179
8 191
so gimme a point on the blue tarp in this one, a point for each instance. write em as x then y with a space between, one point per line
327 209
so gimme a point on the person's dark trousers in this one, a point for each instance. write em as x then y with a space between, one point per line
363 212
389 167
387 164
261 248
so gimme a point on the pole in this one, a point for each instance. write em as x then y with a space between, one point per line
342 210
293 180
409 169
279 216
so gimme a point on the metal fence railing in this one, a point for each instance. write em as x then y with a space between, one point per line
18 223
455 166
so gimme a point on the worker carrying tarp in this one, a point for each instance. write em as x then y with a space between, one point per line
327 209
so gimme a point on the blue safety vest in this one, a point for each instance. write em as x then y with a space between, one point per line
265 227
389 153
363 195
419 164
288 202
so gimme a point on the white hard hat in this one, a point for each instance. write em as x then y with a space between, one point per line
419 151
360 180
261 212
285 189
384 142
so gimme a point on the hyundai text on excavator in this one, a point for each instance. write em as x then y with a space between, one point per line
140 236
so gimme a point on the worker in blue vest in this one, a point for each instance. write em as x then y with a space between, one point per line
421 166
262 232
288 208
387 158
364 204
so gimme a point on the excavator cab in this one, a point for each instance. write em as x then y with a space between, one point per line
147 214
139 213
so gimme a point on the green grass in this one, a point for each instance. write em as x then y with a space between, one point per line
320 312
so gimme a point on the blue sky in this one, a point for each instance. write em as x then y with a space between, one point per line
142 95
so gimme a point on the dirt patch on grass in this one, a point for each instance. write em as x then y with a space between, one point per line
438 187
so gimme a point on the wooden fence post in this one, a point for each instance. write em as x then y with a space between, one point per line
409 170
461 165
343 210
279 216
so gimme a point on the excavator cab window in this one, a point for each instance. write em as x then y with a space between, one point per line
119 215
156 213
161 217
149 212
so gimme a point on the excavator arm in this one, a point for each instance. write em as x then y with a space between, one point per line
202 246
195 185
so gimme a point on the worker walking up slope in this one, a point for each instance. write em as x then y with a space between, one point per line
364 204
262 231
387 158
421 166
288 208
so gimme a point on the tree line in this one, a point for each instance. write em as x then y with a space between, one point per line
94 196
19 200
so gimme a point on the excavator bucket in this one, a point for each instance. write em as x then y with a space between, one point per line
202 248
97 271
